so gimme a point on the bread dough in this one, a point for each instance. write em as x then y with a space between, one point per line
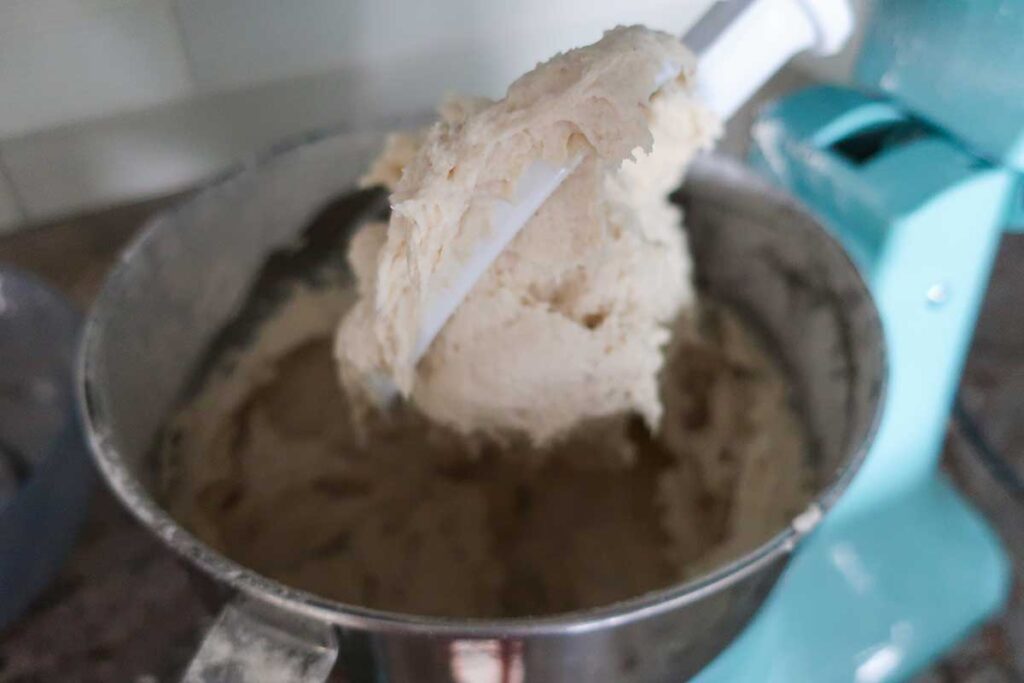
441 507
568 326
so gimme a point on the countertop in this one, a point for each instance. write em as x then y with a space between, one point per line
124 608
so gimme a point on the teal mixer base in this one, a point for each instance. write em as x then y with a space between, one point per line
875 597
902 567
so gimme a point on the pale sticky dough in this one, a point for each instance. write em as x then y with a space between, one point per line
588 317
570 322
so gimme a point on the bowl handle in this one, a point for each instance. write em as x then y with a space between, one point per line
252 642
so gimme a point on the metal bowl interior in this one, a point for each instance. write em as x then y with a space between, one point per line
193 268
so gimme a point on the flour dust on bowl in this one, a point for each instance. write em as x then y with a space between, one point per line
195 268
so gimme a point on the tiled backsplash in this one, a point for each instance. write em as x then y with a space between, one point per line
63 61
105 101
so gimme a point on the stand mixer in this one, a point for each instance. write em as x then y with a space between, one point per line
918 182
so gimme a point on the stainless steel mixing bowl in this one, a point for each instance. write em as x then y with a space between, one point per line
191 271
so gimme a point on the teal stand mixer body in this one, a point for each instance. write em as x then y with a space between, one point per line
918 174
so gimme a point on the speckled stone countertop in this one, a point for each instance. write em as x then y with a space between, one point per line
124 608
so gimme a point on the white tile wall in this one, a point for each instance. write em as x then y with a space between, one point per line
264 68
35 15
239 42
10 211
104 101
64 61
156 151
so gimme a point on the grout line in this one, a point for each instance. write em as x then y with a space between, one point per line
179 30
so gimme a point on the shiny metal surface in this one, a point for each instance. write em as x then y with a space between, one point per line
192 269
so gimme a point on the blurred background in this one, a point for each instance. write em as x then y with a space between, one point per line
104 102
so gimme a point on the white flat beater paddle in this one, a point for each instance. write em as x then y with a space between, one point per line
739 44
